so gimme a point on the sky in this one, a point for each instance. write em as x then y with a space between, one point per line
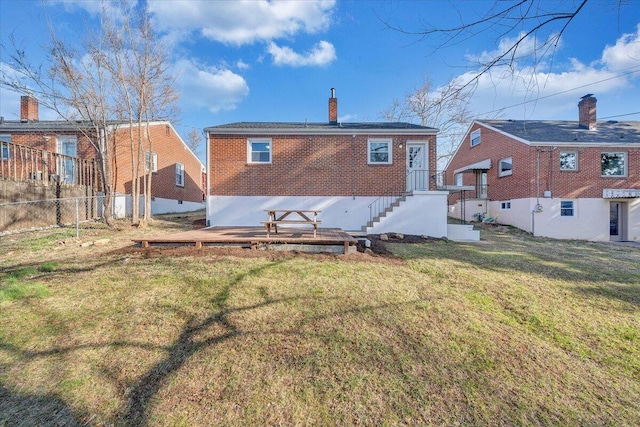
259 60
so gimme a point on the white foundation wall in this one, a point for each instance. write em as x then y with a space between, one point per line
123 206
421 214
518 216
424 214
590 220
347 213
472 208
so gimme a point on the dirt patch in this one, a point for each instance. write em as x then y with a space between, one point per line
378 247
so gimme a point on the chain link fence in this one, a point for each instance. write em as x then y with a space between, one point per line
75 213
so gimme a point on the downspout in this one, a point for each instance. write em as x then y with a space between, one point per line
535 210
208 175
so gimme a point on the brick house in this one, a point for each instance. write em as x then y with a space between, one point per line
562 179
57 146
365 177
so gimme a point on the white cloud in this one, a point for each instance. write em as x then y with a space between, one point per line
210 87
241 65
321 54
243 21
529 48
528 90
112 7
624 54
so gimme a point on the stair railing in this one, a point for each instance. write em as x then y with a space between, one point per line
382 203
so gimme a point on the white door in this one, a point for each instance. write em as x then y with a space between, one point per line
417 166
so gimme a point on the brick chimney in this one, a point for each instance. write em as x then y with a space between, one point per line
333 107
28 109
587 112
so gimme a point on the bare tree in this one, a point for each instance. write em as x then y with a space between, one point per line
444 108
194 139
77 87
121 72
146 91
533 28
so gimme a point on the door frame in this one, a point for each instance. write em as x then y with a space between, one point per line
422 179
623 209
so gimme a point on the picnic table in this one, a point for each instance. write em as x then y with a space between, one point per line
282 216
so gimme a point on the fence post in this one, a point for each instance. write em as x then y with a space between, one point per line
77 220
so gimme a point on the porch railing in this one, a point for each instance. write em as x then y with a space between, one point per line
24 163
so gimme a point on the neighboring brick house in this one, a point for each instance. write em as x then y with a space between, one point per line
561 179
351 171
176 185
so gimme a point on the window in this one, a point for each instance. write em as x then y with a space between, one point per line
458 179
179 174
475 137
259 151
504 206
5 150
379 151
614 164
151 161
505 167
568 160
566 208
67 145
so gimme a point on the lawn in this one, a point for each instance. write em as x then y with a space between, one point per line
512 330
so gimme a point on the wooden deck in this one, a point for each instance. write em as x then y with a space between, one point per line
254 237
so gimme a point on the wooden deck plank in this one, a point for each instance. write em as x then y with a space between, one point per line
253 236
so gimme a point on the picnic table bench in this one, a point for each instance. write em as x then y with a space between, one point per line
281 216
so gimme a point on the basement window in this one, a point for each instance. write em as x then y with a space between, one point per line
505 206
379 152
566 208
259 150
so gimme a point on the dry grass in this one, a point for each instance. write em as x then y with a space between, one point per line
509 331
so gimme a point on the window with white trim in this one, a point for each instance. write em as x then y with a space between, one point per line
5 150
505 167
379 151
179 174
474 138
151 161
568 160
505 206
458 180
567 208
613 164
259 150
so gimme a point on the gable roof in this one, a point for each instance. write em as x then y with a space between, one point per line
320 128
559 132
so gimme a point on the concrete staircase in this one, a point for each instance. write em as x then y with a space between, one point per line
383 208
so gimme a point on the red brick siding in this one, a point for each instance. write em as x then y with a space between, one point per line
170 150
586 182
495 146
309 165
